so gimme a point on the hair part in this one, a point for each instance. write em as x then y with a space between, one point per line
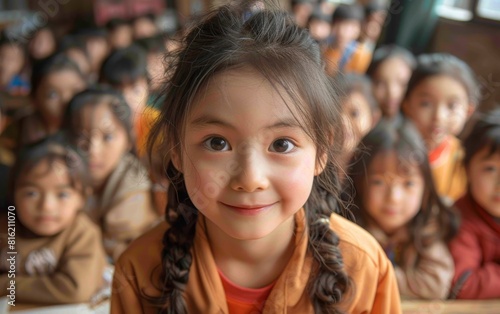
289 59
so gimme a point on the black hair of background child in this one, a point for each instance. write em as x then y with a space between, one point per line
124 66
386 52
347 12
114 23
72 42
438 64
484 133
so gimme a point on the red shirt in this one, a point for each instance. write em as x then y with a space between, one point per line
241 300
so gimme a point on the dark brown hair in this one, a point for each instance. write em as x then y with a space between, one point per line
435 221
484 133
289 59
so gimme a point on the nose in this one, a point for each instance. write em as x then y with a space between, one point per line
392 90
395 193
94 147
48 203
440 113
252 175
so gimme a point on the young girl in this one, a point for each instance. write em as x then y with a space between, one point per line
360 113
390 71
126 70
99 123
54 82
442 92
397 203
475 249
60 258
250 132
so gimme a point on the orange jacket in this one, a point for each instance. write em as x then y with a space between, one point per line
375 290
449 174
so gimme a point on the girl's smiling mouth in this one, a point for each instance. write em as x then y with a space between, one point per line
246 209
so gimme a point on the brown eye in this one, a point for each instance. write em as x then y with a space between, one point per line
218 144
282 146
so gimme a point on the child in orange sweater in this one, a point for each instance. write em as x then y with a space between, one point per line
442 93
250 131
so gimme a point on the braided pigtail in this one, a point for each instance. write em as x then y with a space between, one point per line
329 282
177 242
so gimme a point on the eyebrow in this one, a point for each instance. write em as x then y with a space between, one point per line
206 120
29 184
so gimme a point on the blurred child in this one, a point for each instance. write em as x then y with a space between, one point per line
98 48
155 48
54 81
301 11
12 61
360 109
144 26
249 101
442 92
42 44
126 70
375 14
390 71
476 249
60 258
74 48
319 27
397 203
98 120
120 33
345 53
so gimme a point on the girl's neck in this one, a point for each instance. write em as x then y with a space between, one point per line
252 263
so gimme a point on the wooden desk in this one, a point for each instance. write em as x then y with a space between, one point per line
451 307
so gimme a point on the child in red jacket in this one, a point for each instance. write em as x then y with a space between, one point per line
476 249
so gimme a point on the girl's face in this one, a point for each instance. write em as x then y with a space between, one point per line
121 37
434 105
389 85
55 92
392 196
98 49
143 28
357 110
105 139
484 180
136 94
46 202
43 44
247 164
11 62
